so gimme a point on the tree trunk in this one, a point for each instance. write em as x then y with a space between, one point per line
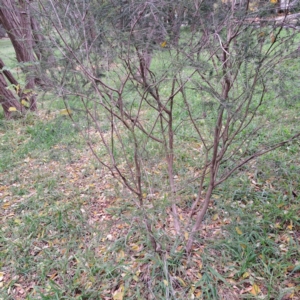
7 98
8 74
15 18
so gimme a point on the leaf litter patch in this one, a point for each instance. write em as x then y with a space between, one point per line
89 216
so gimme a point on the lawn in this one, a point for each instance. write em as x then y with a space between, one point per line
8 53
69 232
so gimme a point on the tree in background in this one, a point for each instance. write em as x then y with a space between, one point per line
31 51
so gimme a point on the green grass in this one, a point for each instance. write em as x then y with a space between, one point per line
52 236
31 137
8 55
67 229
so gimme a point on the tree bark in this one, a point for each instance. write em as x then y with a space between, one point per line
15 18
7 98
8 74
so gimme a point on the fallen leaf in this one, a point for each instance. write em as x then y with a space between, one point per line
182 282
119 293
215 217
65 112
290 227
186 236
255 289
277 225
53 275
25 103
135 247
238 230
290 268
290 285
3 188
12 109
291 296
6 205
198 294
163 44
